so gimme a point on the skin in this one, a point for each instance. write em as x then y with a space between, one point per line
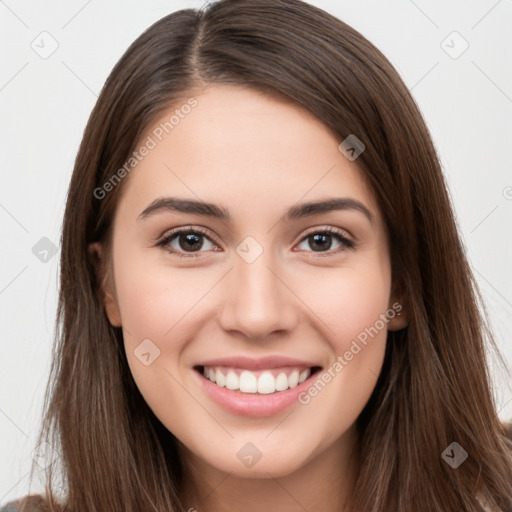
255 156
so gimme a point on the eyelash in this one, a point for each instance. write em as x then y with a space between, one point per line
335 233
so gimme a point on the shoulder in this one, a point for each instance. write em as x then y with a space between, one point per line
30 503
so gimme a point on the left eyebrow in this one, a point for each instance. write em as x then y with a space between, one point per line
316 207
175 204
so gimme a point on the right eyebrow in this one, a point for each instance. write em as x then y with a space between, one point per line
175 204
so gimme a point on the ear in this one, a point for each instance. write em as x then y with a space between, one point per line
105 282
399 320
398 317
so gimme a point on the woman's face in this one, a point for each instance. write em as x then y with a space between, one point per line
262 281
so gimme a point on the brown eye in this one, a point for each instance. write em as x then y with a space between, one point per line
186 242
322 241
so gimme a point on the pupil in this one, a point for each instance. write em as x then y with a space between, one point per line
191 240
319 239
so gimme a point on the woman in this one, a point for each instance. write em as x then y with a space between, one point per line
216 350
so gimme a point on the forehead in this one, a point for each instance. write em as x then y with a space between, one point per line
240 147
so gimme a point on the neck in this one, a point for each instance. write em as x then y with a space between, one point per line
324 482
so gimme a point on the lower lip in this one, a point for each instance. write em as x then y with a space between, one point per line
253 404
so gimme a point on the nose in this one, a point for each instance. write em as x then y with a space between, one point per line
259 300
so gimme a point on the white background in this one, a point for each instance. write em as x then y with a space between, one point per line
45 104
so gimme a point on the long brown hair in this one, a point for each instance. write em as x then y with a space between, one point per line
435 386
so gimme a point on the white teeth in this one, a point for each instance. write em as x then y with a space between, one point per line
220 379
303 376
232 381
281 382
266 383
293 379
249 382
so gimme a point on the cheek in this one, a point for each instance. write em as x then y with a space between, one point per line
157 312
155 300
164 305
349 301
352 305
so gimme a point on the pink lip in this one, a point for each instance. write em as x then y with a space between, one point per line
263 363
253 404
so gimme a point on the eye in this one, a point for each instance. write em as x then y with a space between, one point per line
186 242
322 240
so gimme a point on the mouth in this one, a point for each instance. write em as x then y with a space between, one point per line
255 387
269 381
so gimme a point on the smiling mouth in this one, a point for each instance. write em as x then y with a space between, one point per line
261 382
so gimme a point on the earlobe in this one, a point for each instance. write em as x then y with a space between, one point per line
105 283
398 321
397 314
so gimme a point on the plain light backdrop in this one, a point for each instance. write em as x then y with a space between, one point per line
56 55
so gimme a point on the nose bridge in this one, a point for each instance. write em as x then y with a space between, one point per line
258 302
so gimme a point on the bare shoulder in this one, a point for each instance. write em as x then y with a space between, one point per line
30 503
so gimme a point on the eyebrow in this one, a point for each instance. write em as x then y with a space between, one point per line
297 211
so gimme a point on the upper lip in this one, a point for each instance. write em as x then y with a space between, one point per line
263 363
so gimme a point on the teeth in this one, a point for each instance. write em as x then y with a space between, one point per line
219 378
248 382
232 381
304 375
293 379
256 382
281 382
266 383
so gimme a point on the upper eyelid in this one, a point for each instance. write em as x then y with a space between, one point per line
336 230
187 229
